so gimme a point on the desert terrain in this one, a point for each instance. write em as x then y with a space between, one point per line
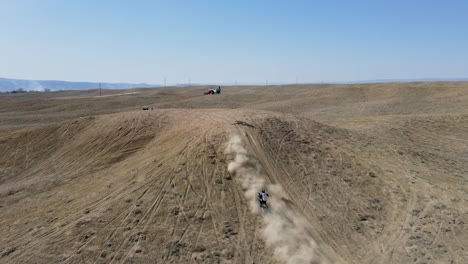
362 173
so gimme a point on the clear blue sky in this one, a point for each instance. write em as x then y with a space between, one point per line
224 41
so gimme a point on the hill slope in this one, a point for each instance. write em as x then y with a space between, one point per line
383 178
150 186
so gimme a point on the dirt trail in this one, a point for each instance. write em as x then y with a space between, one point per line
286 231
129 186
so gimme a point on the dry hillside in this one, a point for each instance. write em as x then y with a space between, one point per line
374 173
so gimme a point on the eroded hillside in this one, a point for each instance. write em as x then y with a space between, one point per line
369 186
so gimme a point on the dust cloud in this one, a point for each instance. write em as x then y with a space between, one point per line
285 231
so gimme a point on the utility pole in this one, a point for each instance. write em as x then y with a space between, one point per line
164 81
296 80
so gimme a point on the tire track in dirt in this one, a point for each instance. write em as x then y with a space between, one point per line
285 231
71 219
204 191
155 203
121 192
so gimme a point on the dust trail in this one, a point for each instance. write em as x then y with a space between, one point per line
285 231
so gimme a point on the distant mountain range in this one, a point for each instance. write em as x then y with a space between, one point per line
8 85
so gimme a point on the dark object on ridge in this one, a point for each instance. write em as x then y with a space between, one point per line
243 123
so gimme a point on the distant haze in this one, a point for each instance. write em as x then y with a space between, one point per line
8 85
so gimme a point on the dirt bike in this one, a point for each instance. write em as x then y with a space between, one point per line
263 204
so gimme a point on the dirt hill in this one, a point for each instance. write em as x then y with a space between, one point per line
356 174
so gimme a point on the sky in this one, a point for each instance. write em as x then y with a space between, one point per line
239 41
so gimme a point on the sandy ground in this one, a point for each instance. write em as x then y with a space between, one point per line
374 173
